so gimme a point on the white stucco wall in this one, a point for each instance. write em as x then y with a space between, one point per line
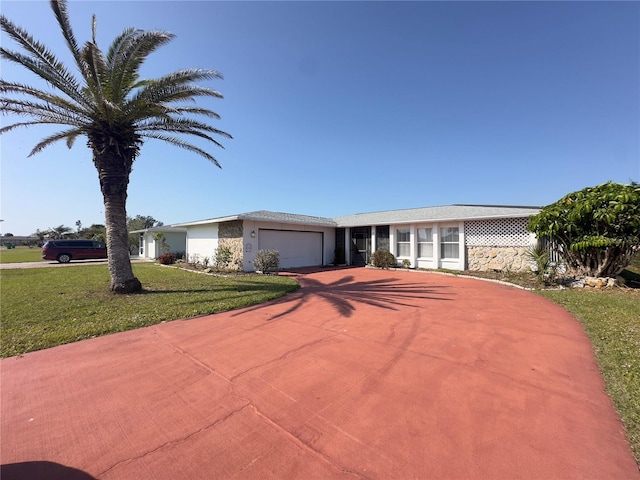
202 240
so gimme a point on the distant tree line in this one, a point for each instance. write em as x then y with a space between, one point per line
96 231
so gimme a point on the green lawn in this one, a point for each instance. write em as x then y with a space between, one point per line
20 255
45 307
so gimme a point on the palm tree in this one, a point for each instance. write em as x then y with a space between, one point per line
113 108
61 231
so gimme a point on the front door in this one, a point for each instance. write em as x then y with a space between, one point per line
360 245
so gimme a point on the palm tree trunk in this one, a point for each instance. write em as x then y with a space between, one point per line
114 192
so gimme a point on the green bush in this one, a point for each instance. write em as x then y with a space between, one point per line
383 259
267 260
223 257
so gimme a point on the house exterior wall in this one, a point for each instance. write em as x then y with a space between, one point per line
202 241
486 244
250 244
231 235
176 243
498 244
151 246
148 246
492 244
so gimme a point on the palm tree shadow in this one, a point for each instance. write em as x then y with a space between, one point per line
346 293
41 471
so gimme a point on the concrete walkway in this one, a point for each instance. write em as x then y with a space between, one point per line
361 374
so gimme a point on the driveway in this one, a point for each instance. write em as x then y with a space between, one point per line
52 263
360 374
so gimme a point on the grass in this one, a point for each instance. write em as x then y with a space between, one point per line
45 307
20 255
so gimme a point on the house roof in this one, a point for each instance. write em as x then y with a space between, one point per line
267 216
433 214
163 229
410 215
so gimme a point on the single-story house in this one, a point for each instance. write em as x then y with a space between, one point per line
155 241
456 237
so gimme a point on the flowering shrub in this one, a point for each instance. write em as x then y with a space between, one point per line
167 259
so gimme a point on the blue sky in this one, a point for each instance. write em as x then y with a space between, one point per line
345 107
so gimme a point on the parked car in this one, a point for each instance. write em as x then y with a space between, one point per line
66 250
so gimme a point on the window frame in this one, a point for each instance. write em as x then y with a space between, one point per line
444 242
403 243
421 244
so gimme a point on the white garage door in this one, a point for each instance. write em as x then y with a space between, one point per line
297 249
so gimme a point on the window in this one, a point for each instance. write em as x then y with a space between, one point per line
403 242
382 237
425 242
449 242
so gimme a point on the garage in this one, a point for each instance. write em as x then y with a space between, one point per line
297 248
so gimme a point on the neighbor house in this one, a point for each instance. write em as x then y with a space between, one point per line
155 241
456 237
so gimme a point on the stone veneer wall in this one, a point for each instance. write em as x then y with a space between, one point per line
497 244
498 258
230 235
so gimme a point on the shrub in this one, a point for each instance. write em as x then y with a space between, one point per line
596 228
383 259
267 260
223 257
167 259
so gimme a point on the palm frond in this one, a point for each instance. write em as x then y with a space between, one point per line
53 101
159 97
192 111
43 114
70 135
67 85
13 126
61 13
182 144
96 73
183 125
127 54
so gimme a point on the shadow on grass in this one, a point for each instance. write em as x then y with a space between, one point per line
345 293
632 279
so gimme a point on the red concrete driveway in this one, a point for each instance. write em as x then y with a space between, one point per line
361 374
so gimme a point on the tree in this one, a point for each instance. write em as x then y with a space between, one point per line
597 229
95 232
61 231
110 105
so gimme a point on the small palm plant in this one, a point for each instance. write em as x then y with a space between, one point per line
113 108
543 267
